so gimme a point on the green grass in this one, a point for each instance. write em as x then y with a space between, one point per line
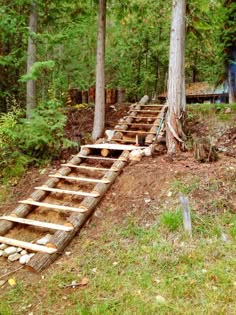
129 266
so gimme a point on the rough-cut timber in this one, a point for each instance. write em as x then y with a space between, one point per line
24 209
61 239
150 138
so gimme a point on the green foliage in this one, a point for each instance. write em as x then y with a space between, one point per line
37 69
43 134
26 140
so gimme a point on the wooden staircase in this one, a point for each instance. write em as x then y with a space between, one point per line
88 168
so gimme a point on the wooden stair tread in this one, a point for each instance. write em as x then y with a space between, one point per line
92 168
135 131
52 206
81 179
99 158
144 110
27 245
125 140
137 124
143 117
110 146
68 192
37 223
151 105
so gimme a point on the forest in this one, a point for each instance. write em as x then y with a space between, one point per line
63 36
117 187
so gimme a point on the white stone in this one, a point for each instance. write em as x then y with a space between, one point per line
19 249
1 253
24 259
160 299
23 252
3 246
44 240
9 251
109 134
14 257
147 151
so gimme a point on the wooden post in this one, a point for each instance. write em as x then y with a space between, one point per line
186 215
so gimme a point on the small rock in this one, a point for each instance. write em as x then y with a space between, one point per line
169 194
9 251
3 246
223 237
44 240
147 200
14 257
147 151
19 249
160 299
222 149
1 253
2 282
228 110
23 252
24 259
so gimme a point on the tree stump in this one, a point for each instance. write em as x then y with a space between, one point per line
204 151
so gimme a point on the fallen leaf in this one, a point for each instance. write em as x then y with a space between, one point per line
12 282
84 281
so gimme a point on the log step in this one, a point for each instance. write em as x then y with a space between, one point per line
141 117
151 105
100 158
37 223
136 131
27 245
125 140
81 179
137 124
68 192
52 206
144 110
111 146
90 168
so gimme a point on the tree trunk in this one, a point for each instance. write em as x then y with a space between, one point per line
31 58
99 117
232 76
176 86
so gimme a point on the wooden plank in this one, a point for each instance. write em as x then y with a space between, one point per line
125 140
141 117
27 245
137 124
80 179
112 146
47 225
136 131
99 158
90 168
68 192
144 111
152 105
52 206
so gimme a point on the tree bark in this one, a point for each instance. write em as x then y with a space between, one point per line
31 59
232 77
99 117
176 86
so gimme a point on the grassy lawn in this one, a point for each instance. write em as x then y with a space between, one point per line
139 268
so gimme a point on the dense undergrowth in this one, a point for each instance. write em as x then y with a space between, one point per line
30 141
